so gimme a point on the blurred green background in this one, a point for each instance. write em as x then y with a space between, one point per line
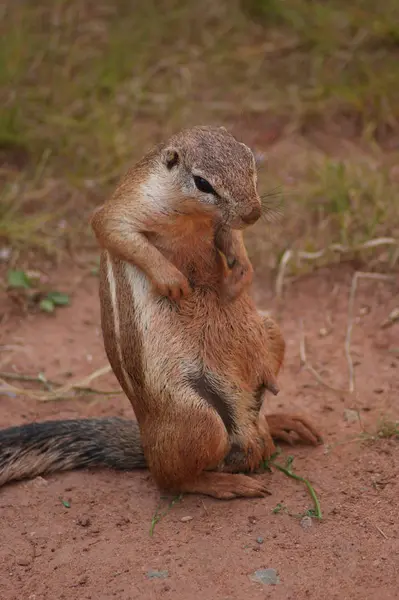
313 87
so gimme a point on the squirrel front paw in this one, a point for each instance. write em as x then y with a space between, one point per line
172 284
259 447
237 278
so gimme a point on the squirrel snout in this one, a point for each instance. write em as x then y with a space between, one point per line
252 216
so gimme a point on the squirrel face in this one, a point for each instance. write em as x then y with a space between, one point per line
205 169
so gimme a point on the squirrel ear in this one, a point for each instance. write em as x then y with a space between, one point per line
171 158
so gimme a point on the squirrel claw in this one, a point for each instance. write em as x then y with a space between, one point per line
176 287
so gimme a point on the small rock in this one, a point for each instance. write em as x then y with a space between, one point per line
186 519
265 576
393 317
83 521
83 580
151 574
24 560
306 522
5 254
260 540
37 482
350 415
252 520
5 392
323 332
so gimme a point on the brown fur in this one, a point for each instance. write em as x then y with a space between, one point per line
40 448
181 330
193 359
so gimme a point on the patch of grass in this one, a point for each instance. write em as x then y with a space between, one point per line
386 429
158 516
287 469
331 201
278 508
343 58
32 294
65 503
88 87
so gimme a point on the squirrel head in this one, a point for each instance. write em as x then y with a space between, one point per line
205 169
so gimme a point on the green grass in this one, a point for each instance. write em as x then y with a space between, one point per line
287 469
88 87
386 429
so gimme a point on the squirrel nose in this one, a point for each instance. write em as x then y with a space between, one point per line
252 216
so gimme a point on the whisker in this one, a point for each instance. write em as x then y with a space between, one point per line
272 205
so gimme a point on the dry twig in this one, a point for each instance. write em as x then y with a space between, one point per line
302 347
339 248
62 391
358 275
306 364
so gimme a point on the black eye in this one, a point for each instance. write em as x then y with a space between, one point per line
203 185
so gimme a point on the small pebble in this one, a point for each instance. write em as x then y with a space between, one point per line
39 482
151 574
392 318
186 519
265 576
83 521
5 254
351 416
252 520
5 392
24 561
306 522
376 563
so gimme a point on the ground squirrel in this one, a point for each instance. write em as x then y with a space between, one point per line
180 329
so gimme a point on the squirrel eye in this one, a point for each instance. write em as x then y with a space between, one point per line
203 185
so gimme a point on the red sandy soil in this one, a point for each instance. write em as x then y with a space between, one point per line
100 546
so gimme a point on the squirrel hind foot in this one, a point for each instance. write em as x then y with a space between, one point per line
225 486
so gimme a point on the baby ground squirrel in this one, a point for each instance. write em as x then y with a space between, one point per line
180 329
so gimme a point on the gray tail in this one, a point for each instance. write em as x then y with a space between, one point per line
39 448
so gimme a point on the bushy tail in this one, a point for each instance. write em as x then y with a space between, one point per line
39 448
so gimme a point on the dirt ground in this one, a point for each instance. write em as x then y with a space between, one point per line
99 547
